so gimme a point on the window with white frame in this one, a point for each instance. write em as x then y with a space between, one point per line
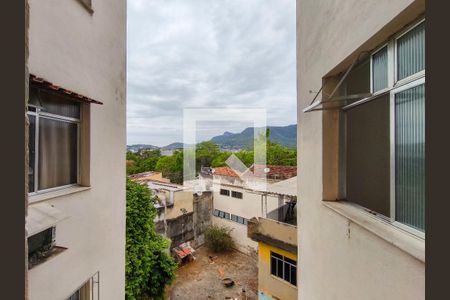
54 140
283 267
384 136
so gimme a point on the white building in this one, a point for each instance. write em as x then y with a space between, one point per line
361 148
235 202
77 137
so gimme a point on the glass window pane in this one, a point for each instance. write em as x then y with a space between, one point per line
280 268
294 276
287 272
31 152
273 266
410 157
227 216
55 104
380 70
57 153
411 52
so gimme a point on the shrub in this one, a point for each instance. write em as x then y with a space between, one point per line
218 238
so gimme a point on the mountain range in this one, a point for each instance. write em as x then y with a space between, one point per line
283 135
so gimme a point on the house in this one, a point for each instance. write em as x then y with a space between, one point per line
239 197
76 141
276 236
361 223
175 209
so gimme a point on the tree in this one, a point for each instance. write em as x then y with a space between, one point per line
205 152
171 167
148 268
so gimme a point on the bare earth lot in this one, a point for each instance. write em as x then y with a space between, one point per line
201 278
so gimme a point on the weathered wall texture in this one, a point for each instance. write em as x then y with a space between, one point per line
339 259
203 206
86 53
189 226
181 229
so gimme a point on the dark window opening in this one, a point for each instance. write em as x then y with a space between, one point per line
235 194
224 192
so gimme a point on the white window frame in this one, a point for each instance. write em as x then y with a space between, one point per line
394 87
38 113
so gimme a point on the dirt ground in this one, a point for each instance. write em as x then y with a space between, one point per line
202 278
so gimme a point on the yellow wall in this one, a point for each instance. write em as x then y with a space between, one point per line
268 284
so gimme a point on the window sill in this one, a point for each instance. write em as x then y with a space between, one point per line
57 193
56 250
395 236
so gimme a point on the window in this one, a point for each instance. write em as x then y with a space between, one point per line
53 141
234 218
41 242
224 192
88 291
216 212
283 267
380 70
385 134
235 194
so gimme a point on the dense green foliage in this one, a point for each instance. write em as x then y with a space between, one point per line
171 167
143 161
218 238
148 266
207 154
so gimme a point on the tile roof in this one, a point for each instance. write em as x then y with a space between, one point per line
274 171
225 171
47 85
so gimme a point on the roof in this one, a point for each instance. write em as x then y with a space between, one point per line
274 171
142 175
161 185
271 171
41 83
225 171
286 187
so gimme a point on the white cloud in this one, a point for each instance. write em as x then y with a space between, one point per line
201 53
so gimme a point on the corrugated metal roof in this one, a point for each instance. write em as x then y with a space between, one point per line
41 83
286 187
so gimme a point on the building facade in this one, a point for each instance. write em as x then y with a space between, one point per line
276 236
361 139
235 202
77 138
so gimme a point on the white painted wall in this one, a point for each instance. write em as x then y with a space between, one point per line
248 207
87 54
339 259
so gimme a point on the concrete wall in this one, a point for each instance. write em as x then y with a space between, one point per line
86 53
203 207
269 286
341 258
248 207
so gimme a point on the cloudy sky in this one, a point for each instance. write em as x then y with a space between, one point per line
207 54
